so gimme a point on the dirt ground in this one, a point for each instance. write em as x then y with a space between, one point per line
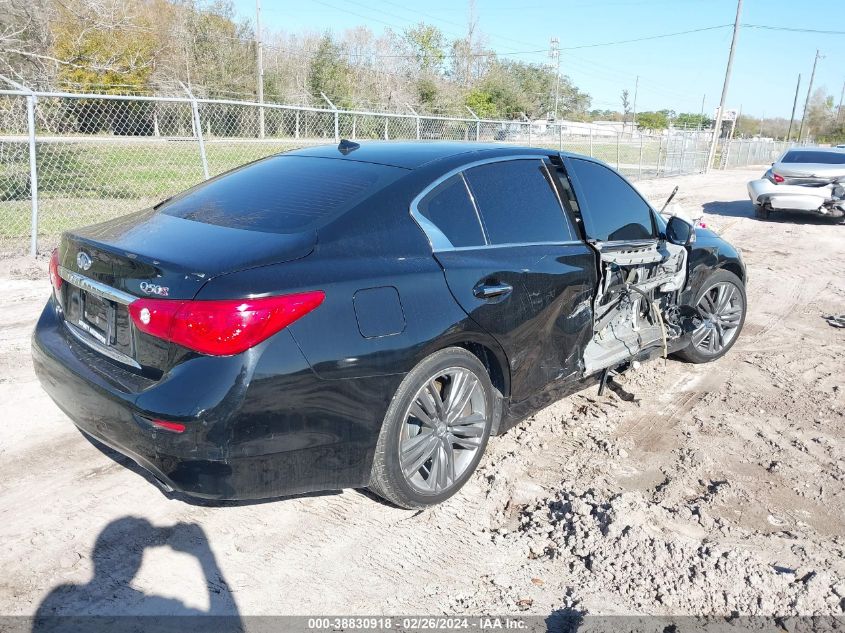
715 489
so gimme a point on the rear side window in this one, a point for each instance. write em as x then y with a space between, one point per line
806 156
611 208
517 203
450 209
282 194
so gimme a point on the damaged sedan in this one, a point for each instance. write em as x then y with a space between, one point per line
805 179
368 315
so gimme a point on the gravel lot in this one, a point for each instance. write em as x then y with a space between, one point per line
712 489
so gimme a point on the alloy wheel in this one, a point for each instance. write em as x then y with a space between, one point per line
444 428
721 306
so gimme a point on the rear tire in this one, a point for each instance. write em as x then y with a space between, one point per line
761 212
435 430
722 298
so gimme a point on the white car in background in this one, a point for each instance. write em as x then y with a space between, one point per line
808 179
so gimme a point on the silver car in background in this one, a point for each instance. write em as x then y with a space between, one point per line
808 179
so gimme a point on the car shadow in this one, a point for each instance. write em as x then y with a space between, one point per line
109 601
732 209
744 209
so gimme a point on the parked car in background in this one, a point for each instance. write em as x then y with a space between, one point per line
368 315
807 179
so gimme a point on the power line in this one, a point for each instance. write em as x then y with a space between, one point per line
650 37
792 29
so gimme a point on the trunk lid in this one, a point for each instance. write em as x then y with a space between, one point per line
808 174
149 254
152 254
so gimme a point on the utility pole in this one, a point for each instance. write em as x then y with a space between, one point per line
839 109
554 54
794 104
717 128
701 118
735 122
634 108
809 92
259 79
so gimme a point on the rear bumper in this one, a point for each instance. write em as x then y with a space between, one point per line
258 425
788 197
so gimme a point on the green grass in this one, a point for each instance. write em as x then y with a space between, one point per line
86 182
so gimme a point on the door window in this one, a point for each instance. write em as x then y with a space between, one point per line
517 203
612 209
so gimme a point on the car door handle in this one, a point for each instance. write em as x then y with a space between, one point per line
489 291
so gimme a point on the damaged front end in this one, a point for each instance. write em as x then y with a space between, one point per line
637 306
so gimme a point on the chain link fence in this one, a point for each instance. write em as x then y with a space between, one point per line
751 151
67 160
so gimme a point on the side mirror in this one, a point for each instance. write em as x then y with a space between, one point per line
680 231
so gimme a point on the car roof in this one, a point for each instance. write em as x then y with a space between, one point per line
839 149
412 154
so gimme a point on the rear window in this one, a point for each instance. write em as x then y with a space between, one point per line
805 156
282 194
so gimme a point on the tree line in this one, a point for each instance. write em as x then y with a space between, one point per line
153 46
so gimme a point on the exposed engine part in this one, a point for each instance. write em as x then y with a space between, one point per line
639 283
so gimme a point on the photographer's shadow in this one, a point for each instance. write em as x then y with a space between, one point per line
109 596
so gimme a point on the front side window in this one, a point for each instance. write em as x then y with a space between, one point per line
611 208
450 209
517 203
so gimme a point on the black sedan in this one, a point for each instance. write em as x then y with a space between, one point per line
368 315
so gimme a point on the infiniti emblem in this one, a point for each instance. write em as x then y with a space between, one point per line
83 260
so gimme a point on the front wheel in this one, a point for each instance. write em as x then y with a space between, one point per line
722 304
435 430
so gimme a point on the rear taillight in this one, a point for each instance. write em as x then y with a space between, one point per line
173 427
55 278
777 178
221 328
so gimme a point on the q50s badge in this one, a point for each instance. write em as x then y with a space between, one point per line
154 289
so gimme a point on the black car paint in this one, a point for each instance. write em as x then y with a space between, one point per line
302 411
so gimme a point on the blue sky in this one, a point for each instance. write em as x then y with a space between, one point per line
675 72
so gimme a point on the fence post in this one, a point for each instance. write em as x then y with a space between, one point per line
33 174
529 132
477 123
659 152
197 129
640 166
296 131
33 163
683 151
591 142
617 151
336 118
417 116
